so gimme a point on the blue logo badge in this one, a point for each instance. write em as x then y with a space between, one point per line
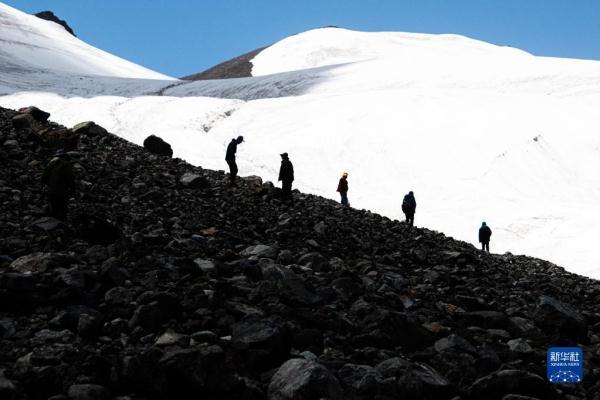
565 365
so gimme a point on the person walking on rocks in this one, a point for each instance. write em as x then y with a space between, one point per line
58 177
409 206
230 158
343 188
286 176
484 237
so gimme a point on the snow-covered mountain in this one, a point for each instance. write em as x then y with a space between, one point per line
477 131
40 54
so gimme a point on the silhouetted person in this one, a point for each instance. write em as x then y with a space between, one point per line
409 206
485 233
230 158
58 177
343 188
286 176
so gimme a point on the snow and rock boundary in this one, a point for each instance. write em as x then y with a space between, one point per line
210 290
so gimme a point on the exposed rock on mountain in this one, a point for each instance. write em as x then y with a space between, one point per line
50 16
238 67
157 287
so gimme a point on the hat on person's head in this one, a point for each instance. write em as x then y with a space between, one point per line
240 139
411 193
284 155
345 174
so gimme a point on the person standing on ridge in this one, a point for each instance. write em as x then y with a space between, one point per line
409 206
484 237
343 188
286 176
230 158
58 177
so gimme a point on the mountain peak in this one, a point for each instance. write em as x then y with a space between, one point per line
50 16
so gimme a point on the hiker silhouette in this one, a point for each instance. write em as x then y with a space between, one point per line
409 206
60 182
343 188
230 158
286 176
484 237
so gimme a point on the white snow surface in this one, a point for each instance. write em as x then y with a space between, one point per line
32 44
479 132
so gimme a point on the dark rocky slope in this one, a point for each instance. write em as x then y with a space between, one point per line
50 16
209 292
238 67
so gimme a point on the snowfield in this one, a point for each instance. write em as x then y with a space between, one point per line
479 132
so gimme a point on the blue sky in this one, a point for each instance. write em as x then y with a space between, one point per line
180 37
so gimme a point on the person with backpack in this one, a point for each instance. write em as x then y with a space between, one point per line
286 176
409 206
343 188
484 237
230 158
60 181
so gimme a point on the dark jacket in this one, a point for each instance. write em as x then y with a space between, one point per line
231 150
409 204
58 176
484 234
286 171
343 185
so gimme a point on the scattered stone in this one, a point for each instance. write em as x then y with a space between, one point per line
8 390
194 181
498 384
519 345
170 338
362 378
260 251
454 342
40 262
300 379
148 317
561 320
88 392
205 266
89 128
37 114
23 121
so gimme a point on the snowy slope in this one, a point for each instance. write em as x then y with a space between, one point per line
37 51
478 131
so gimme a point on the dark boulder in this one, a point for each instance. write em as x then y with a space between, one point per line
300 379
264 340
194 181
88 392
156 145
59 139
415 380
8 390
361 378
148 316
561 320
498 384
89 128
95 229
37 114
